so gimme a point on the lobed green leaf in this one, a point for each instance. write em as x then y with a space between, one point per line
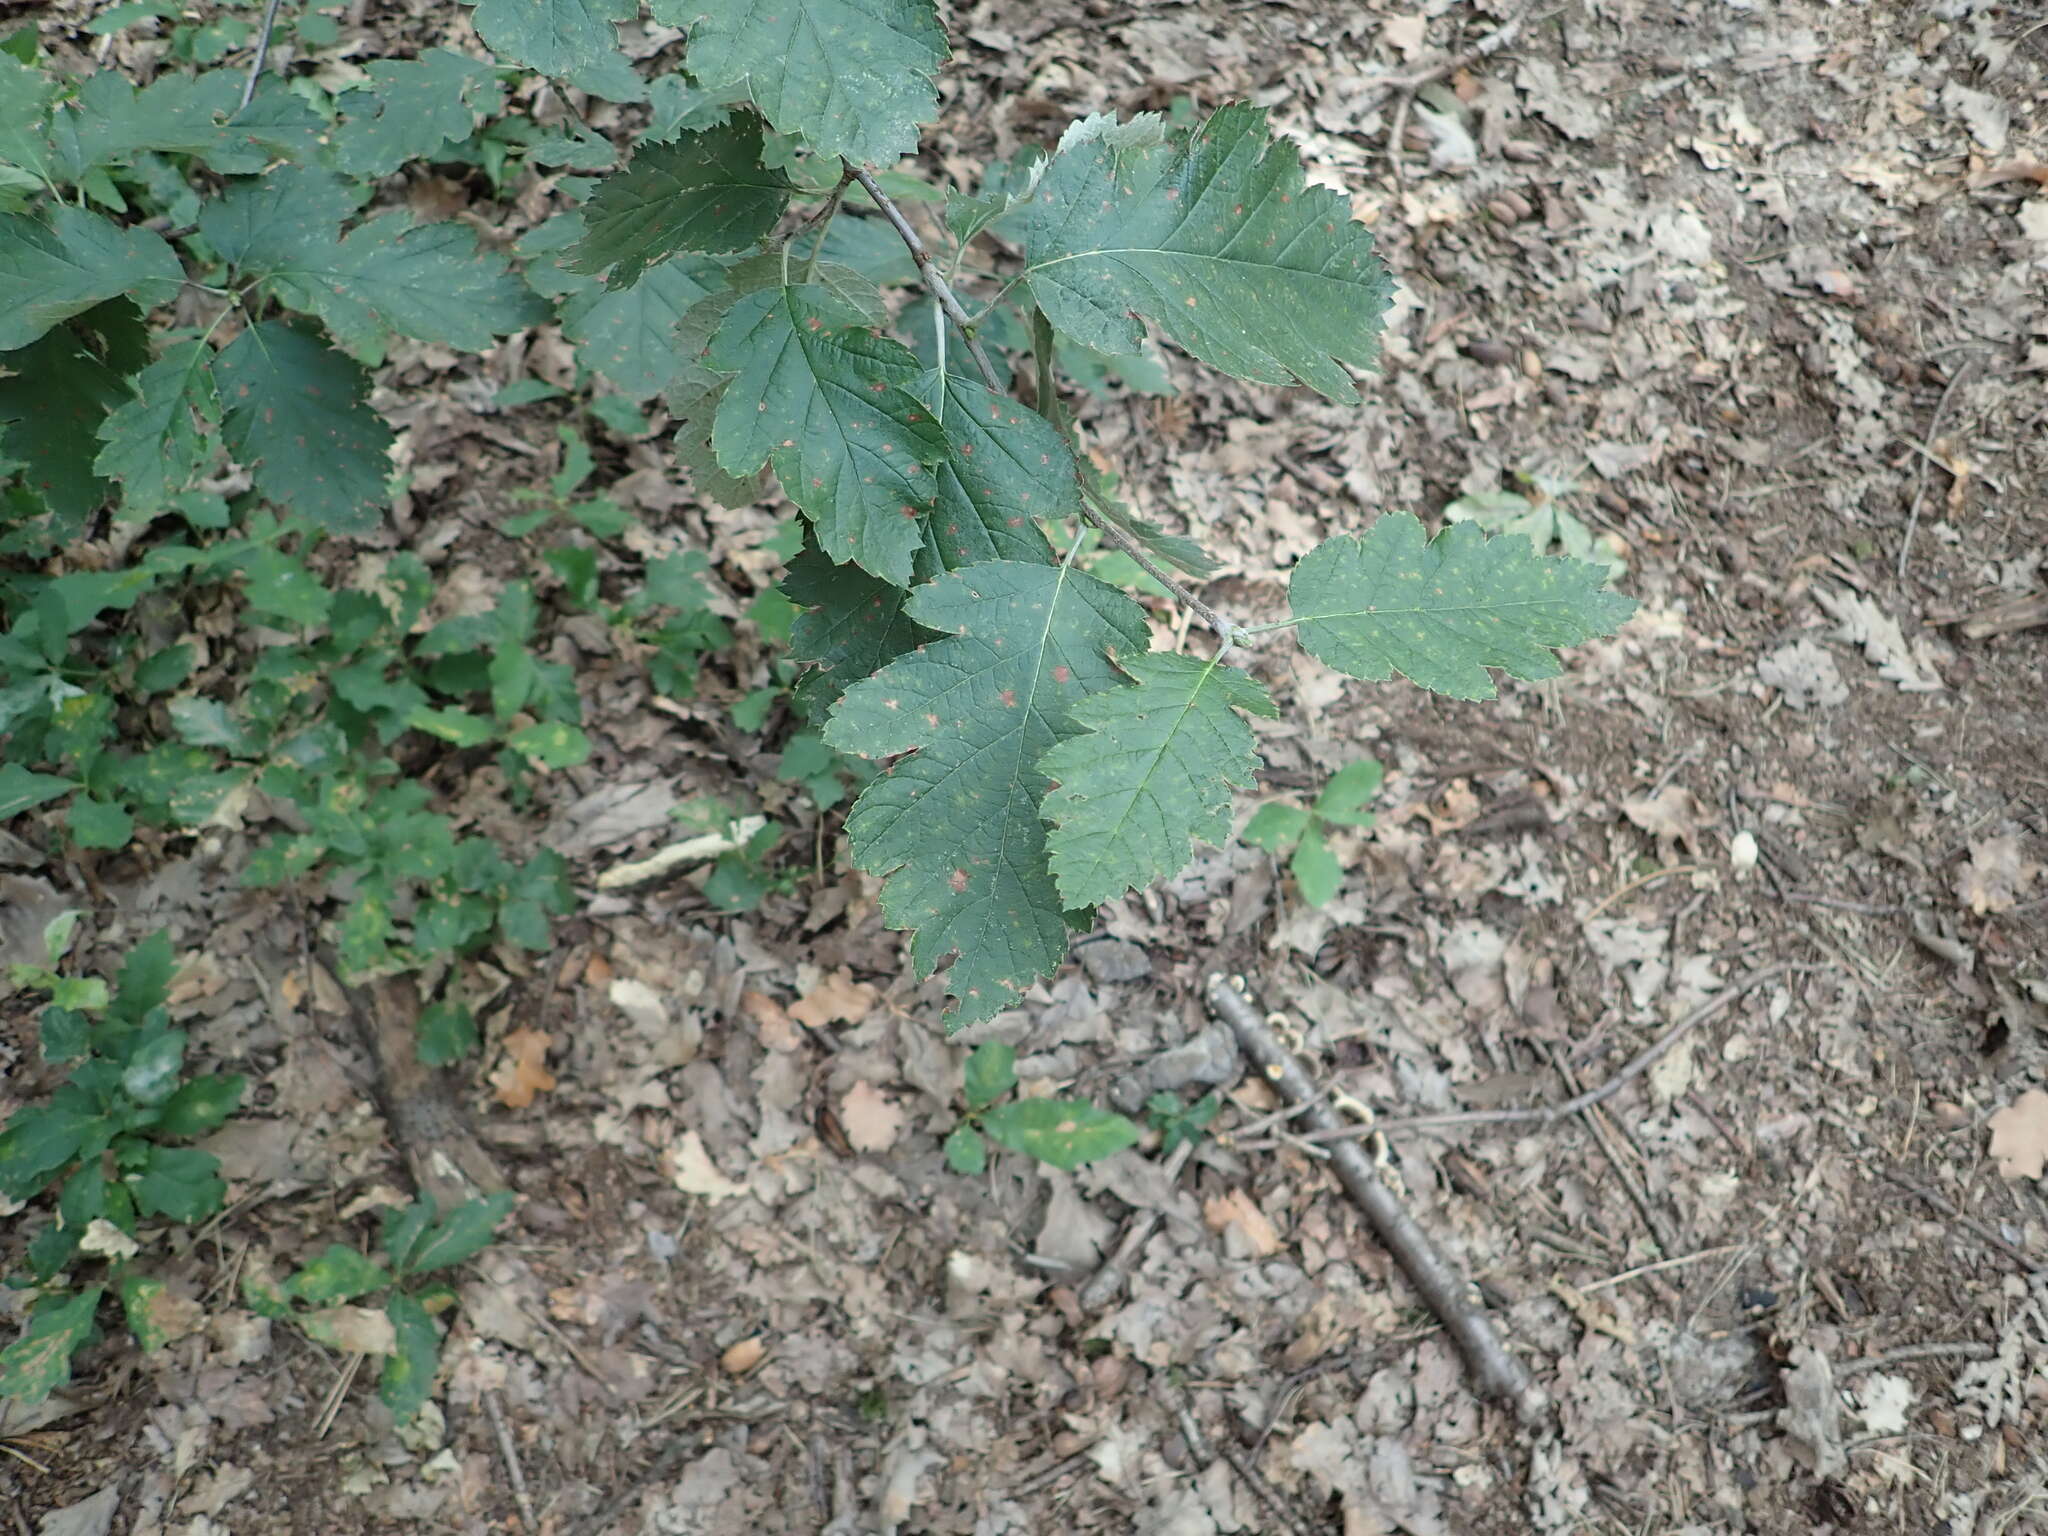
706 192
1441 611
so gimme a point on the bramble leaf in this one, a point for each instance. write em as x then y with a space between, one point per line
408 1378
1441 611
1151 772
954 827
1222 245
51 272
296 417
825 401
1059 1132
339 1274
160 439
466 1231
182 1183
574 41
411 108
991 1073
849 77
707 192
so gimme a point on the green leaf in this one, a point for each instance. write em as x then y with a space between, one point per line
52 407
159 440
707 192
201 1105
411 108
1276 827
182 1183
551 744
408 1378
629 335
955 828
150 1075
991 1073
574 41
37 1142
297 417
402 1228
1151 772
21 790
140 1295
339 1274
280 587
146 976
1316 870
1006 468
849 77
1059 1132
853 625
429 282
1222 245
49 273
822 398
447 1033
1344 796
1441 611
466 1232
965 1151
39 1362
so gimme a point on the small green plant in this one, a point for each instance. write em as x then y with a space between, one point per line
1541 511
1176 1122
1064 1133
346 1300
105 1144
1281 825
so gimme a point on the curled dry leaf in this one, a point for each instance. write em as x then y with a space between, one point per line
690 1166
1996 876
1673 815
1237 1214
524 1072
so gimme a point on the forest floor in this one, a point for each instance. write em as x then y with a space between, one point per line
1758 293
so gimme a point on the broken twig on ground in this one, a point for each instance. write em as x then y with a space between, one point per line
1496 1373
1546 1114
510 1451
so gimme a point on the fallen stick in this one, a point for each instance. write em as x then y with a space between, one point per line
1495 1372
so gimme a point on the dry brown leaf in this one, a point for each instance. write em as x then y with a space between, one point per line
872 1120
524 1071
2019 1136
837 998
1673 815
690 1166
1235 1211
742 1357
1996 876
772 1022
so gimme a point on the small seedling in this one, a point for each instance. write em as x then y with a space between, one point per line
1280 825
1177 1122
1062 1133
104 1143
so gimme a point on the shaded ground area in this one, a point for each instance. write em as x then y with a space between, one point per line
1761 296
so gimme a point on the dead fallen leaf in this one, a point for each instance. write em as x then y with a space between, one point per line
872 1120
837 998
2019 1136
1996 876
690 1166
524 1071
772 1022
1236 1212
742 1357
1673 815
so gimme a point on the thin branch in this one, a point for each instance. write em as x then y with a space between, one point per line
929 270
1549 1114
262 53
1227 629
1920 490
820 219
510 1451
1409 84
1496 1373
